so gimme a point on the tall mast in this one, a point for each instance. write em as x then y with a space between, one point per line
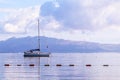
38 48
38 36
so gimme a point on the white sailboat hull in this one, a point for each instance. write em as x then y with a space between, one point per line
36 54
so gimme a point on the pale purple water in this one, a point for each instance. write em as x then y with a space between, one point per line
65 72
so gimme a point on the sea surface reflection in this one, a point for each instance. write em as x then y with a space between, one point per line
85 66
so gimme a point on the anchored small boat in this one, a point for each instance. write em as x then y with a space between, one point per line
36 52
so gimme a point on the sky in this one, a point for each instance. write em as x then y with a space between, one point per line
76 20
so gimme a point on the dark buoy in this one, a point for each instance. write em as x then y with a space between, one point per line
58 65
88 65
105 65
6 64
71 65
46 65
31 65
19 65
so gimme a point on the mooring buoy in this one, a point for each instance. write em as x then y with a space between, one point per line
46 65
58 65
6 64
105 65
19 65
88 65
31 65
71 65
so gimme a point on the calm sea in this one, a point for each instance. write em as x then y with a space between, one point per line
61 66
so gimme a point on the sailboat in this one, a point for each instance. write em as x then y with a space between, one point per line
36 52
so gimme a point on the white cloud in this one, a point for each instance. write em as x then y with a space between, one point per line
83 14
49 23
18 20
90 20
11 28
94 20
108 16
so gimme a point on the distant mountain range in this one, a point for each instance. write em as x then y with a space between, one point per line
14 45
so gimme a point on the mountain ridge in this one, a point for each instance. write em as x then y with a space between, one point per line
14 45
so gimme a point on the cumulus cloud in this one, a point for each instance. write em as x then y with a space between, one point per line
91 20
19 20
82 14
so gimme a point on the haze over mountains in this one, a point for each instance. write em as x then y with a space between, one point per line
15 45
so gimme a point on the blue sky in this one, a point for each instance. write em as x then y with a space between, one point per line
20 3
78 20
